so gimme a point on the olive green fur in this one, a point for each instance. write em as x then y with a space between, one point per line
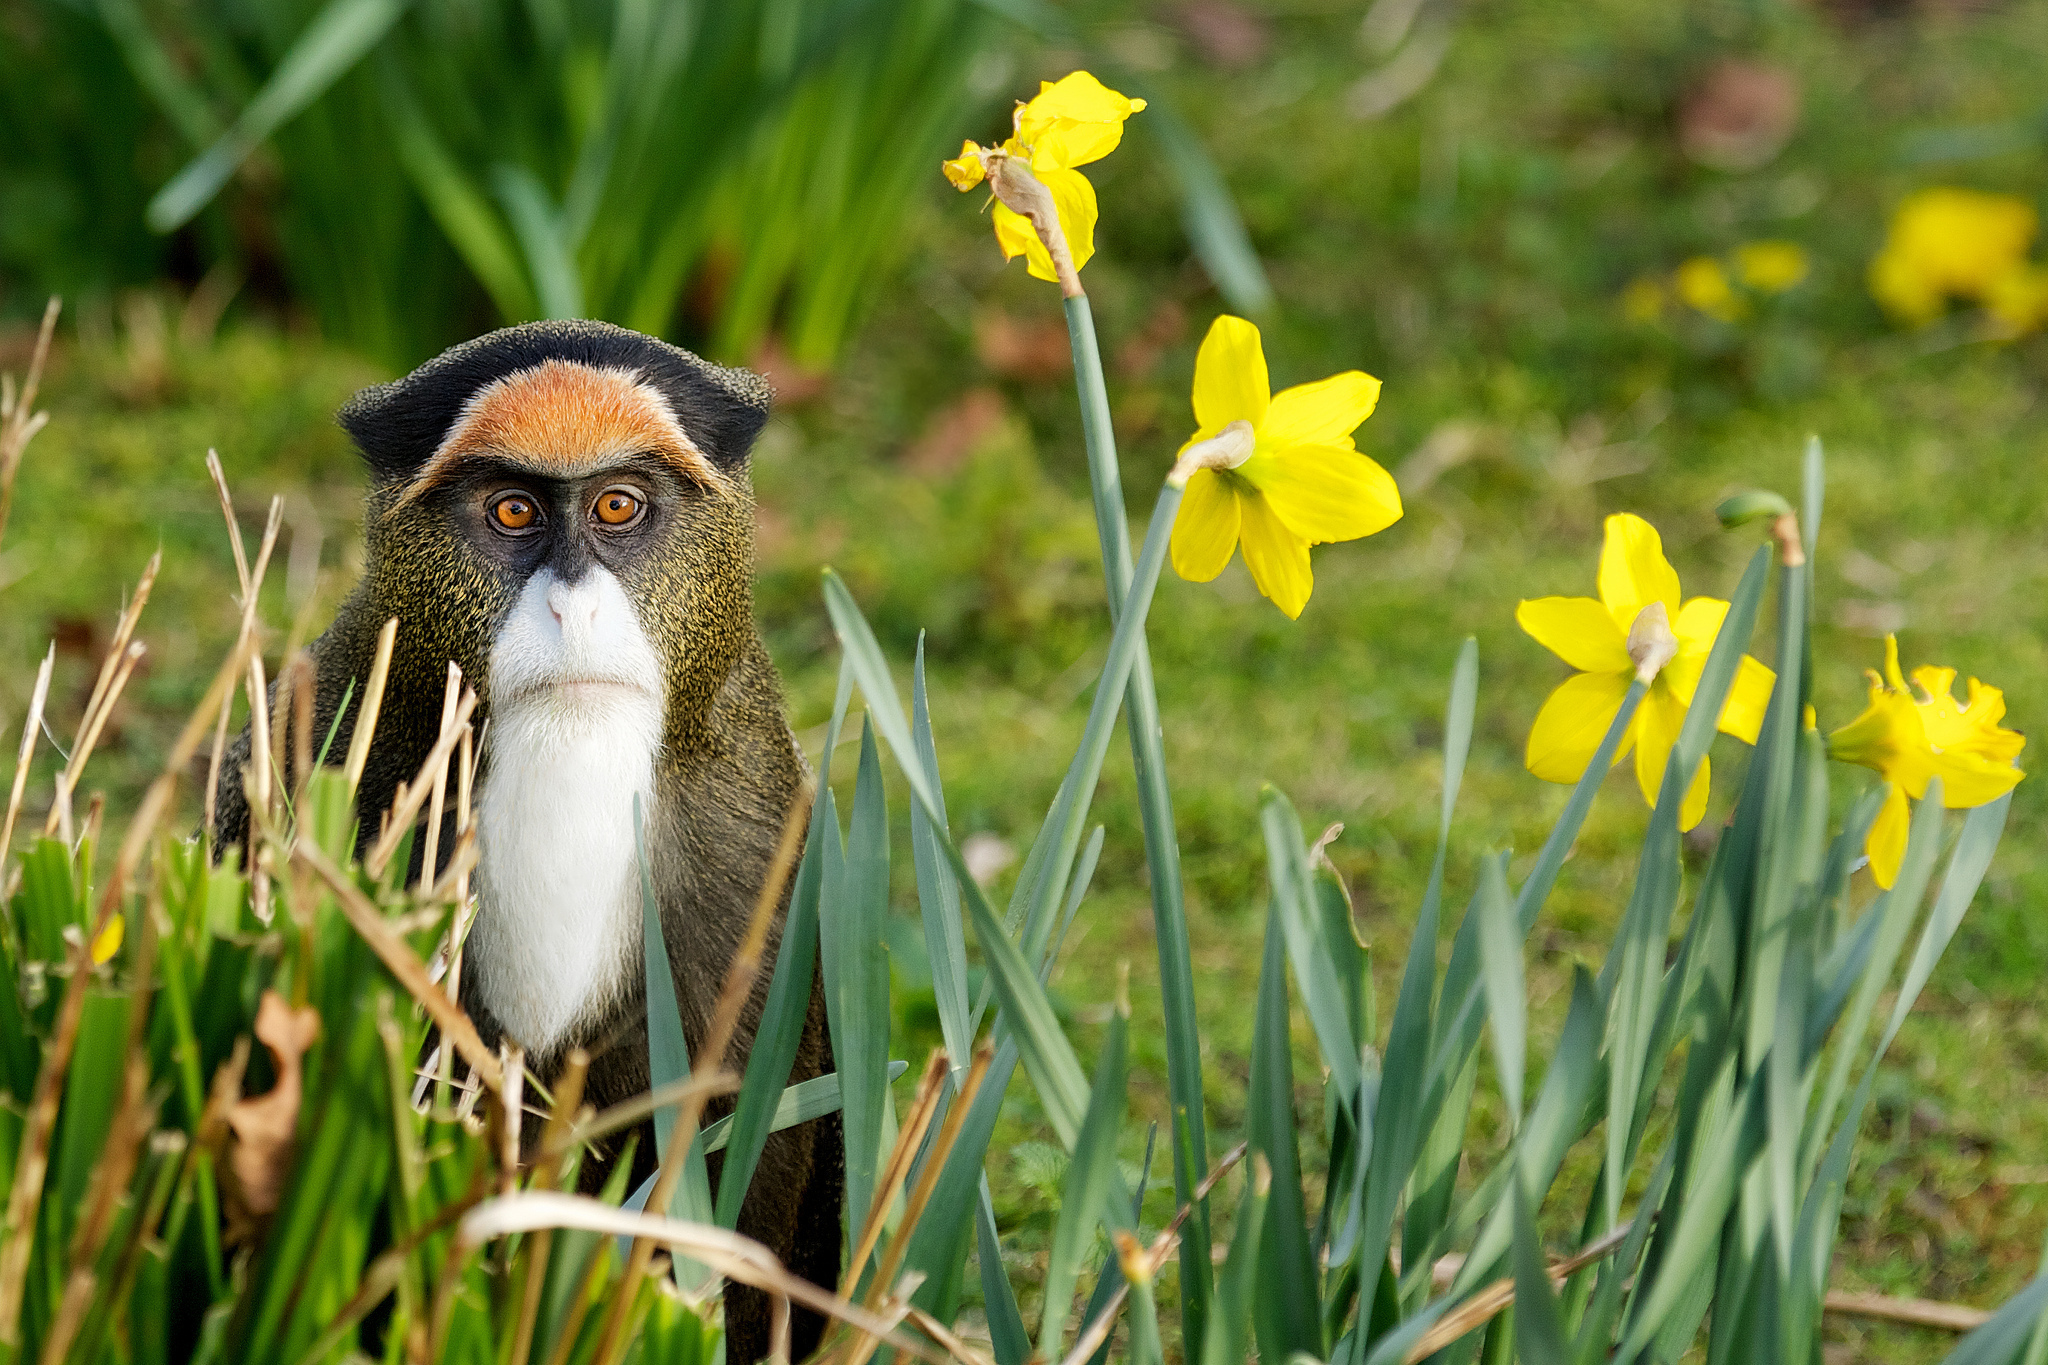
726 778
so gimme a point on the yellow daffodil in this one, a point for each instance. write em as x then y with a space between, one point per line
1949 243
1643 300
1771 267
1071 122
1703 284
108 941
2018 299
1293 480
1909 741
1592 635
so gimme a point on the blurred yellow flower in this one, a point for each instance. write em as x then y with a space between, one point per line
1771 267
108 941
1592 635
1071 122
1300 482
2018 299
1703 284
1909 741
1643 300
1949 243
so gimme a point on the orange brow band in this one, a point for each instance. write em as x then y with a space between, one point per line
565 418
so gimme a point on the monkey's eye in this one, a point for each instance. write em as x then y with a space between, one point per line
515 512
617 507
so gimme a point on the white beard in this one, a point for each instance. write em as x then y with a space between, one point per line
576 718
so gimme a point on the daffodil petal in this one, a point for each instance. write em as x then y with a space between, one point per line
1886 846
1658 722
1016 237
1742 715
1968 781
1230 375
1323 413
1633 570
1326 492
1695 805
108 940
1573 721
1277 557
1075 98
1577 630
1074 198
1067 144
965 171
1205 529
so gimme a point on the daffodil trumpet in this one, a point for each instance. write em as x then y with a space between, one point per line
1926 747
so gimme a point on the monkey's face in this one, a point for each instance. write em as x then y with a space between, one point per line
571 543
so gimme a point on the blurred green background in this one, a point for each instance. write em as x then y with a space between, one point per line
1486 204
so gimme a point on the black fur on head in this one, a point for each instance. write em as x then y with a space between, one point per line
399 425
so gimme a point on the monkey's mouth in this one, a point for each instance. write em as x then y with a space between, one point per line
579 689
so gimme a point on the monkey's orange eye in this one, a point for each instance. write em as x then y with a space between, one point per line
515 512
617 506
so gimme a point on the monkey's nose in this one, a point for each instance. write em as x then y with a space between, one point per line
568 605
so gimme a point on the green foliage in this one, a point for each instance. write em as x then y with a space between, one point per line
416 169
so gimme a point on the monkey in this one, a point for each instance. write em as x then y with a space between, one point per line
564 510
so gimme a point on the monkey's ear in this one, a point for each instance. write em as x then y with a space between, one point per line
721 409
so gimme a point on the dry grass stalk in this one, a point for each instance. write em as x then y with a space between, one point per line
739 983
437 800
400 959
303 675
935 1163
370 707
732 1255
626 1113
512 1062
19 421
220 731
252 588
1488 1303
863 1346
156 801
115 669
944 1335
30 729
924 1103
106 690
547 1176
1097 1332
405 806
1950 1317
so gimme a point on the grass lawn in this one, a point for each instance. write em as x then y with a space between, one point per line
1470 248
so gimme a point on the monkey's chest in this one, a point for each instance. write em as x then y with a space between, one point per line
556 944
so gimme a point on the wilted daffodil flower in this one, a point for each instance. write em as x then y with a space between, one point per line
1908 741
1073 121
1638 590
1281 473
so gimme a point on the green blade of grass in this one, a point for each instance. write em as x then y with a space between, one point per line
334 42
1507 990
1323 995
1005 1323
860 1036
1287 1314
1086 1191
938 896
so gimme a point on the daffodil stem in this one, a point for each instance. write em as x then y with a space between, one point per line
1162 844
